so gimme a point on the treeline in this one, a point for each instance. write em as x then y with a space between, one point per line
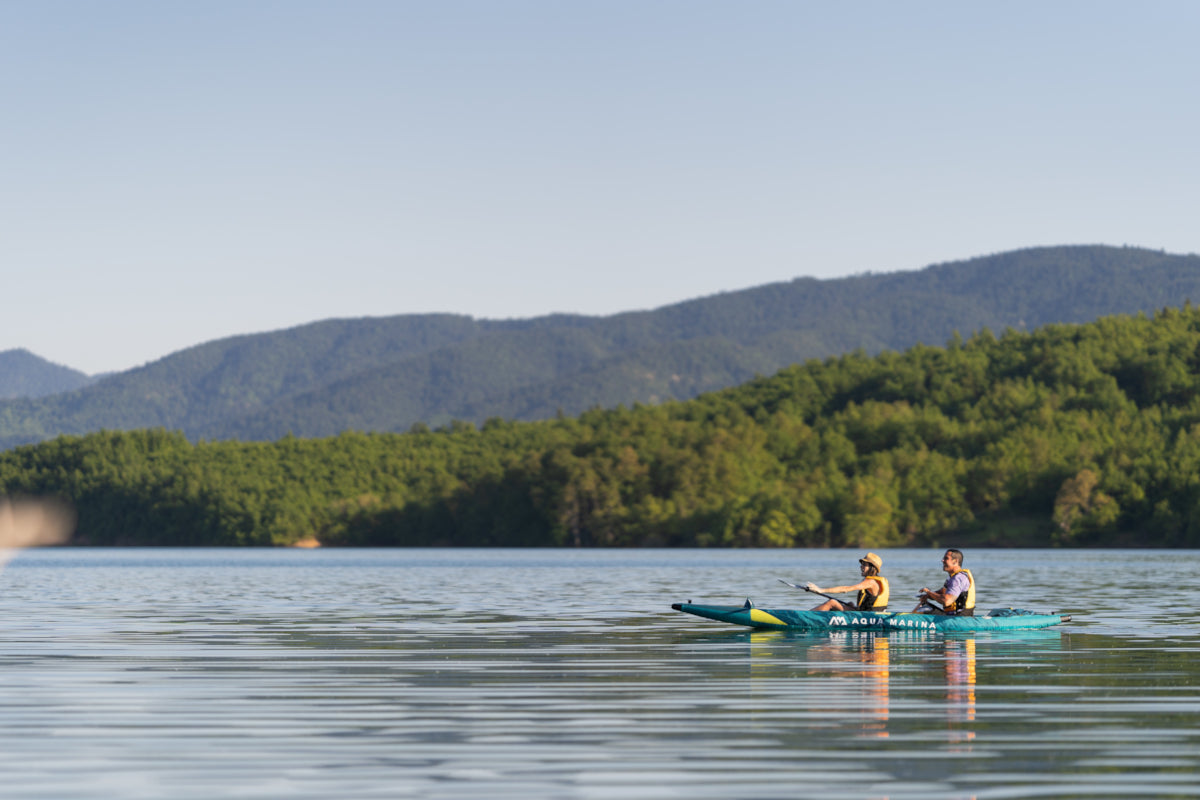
1071 435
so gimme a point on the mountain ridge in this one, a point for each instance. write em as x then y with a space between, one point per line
24 374
390 373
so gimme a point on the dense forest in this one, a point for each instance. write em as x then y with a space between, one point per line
385 374
1071 435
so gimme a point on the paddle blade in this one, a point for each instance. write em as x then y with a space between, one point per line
33 523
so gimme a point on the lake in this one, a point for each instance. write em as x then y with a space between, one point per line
131 673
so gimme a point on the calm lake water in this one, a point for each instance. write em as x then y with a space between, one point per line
565 674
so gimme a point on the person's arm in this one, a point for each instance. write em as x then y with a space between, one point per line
936 595
945 596
865 584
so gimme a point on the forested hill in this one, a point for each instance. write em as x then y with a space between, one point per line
386 374
22 374
1070 435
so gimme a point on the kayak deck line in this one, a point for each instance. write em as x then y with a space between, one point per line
778 619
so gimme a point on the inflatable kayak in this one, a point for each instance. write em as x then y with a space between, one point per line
995 620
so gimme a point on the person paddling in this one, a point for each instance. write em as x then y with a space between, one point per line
957 595
872 590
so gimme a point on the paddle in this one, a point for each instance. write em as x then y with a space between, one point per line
806 589
32 523
932 603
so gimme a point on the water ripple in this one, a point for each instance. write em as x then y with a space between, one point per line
464 674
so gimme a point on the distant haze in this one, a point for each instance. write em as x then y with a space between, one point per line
176 173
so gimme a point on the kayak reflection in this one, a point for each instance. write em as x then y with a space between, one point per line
848 672
865 657
863 679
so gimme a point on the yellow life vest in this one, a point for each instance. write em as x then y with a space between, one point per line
878 602
966 600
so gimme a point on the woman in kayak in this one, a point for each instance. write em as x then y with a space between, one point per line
872 589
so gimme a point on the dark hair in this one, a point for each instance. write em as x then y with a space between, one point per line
958 556
871 568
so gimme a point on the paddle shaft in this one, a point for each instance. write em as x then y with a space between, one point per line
806 589
933 603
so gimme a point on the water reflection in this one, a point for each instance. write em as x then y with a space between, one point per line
959 671
873 685
864 658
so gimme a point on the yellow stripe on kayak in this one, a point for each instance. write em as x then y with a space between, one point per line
758 615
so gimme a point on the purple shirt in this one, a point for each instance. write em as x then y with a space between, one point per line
956 585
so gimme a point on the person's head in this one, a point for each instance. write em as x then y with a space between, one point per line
870 564
952 560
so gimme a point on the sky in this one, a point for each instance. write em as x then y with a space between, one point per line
174 173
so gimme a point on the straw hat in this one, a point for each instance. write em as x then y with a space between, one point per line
873 560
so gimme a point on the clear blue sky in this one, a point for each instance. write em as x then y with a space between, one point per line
177 172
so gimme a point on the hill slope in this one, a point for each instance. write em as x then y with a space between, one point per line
386 374
22 374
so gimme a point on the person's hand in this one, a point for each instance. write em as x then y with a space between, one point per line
812 587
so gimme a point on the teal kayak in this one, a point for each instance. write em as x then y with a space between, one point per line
998 619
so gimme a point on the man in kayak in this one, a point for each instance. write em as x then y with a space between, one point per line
957 595
872 590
